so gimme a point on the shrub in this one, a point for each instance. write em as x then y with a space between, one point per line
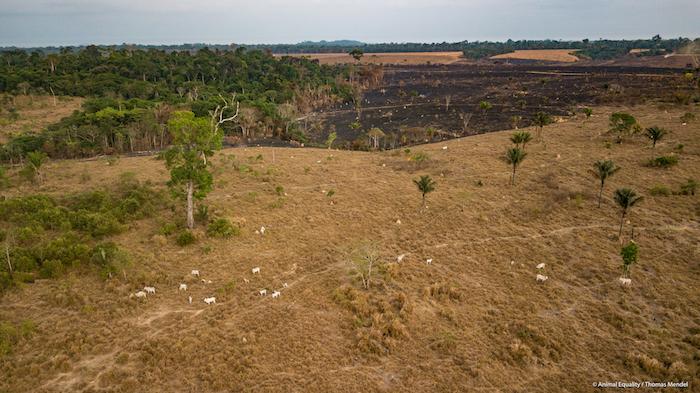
202 213
663 161
222 227
687 117
185 238
629 255
420 157
167 229
660 190
689 188
279 190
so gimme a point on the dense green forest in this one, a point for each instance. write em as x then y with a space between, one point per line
132 92
594 49
600 49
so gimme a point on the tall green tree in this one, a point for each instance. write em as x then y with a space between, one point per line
514 156
194 141
625 198
602 170
425 185
629 255
622 124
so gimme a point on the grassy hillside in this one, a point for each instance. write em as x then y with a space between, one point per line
474 319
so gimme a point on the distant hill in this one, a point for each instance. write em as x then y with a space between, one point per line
332 43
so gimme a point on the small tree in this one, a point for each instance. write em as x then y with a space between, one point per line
622 124
425 185
375 134
602 171
655 134
588 112
540 120
521 138
331 138
356 54
629 255
364 259
485 106
32 169
194 140
514 156
625 198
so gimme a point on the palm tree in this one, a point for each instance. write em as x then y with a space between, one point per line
625 198
35 160
602 171
514 156
521 138
655 134
540 120
425 185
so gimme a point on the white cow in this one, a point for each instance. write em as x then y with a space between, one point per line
189 299
138 295
276 294
256 270
262 292
540 266
400 258
195 273
150 290
210 300
183 287
542 278
429 261
625 281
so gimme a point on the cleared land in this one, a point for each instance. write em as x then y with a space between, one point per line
385 58
473 320
35 113
559 55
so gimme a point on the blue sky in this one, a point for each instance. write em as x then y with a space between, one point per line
74 22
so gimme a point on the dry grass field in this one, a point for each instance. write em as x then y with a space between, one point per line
408 58
37 112
473 320
560 55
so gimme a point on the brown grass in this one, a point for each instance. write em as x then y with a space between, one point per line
385 58
473 320
37 112
561 55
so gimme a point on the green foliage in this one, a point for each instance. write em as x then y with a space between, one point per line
485 106
356 53
660 190
514 157
625 198
663 161
622 124
602 171
420 156
588 112
331 138
629 253
425 185
48 236
655 134
520 138
167 229
185 238
222 227
4 180
689 187
279 190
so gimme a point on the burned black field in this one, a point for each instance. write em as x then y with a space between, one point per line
416 104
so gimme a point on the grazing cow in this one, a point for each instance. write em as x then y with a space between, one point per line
210 300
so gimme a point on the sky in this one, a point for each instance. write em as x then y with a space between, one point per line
76 22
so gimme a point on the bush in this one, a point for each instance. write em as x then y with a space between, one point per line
659 190
687 117
663 161
167 229
420 157
222 227
185 238
689 188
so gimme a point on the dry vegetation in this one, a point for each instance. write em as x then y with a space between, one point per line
560 55
407 58
35 113
475 319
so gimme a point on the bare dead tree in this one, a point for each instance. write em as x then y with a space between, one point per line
448 99
465 117
217 115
